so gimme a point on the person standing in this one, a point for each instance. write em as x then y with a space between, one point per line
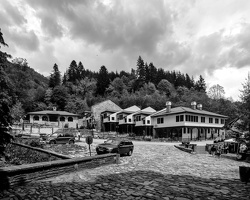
213 150
78 134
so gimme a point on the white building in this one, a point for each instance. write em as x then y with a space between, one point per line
54 118
183 123
118 121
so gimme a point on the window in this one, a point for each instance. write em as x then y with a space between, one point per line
196 118
45 118
113 118
143 121
160 120
129 120
70 119
148 121
184 130
62 119
125 120
181 118
208 130
216 120
36 118
203 119
192 118
177 118
222 121
210 120
120 117
138 118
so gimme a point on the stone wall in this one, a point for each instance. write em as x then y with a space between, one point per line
18 175
97 109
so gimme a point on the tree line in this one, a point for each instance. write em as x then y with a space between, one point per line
78 89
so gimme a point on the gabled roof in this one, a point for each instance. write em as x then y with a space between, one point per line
132 109
52 112
129 110
186 110
147 111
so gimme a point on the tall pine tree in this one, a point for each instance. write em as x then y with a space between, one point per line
102 81
55 77
200 85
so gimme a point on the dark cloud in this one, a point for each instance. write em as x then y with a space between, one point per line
109 27
50 25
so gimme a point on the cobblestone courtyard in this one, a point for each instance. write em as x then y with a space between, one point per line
154 171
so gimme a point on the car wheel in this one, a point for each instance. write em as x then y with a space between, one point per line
130 153
71 142
52 142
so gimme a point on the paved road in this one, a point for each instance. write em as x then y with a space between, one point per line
154 171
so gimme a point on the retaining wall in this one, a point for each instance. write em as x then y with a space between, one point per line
18 175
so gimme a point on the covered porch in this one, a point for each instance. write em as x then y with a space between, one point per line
184 133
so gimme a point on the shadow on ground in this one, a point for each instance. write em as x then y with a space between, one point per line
134 185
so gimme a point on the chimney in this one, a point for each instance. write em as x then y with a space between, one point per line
199 106
54 108
168 106
193 105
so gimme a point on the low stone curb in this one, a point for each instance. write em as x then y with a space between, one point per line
188 150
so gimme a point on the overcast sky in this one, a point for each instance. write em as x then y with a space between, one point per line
199 37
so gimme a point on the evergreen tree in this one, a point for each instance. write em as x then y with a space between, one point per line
55 77
72 72
160 75
200 85
152 73
102 81
3 55
147 73
140 72
80 73
189 82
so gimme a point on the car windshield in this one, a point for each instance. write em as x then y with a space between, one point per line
55 134
112 142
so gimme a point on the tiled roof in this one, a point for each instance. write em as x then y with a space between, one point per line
186 110
52 112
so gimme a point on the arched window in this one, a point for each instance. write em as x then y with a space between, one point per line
62 119
70 119
45 118
36 118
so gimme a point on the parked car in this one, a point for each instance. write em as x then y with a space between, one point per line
121 146
60 138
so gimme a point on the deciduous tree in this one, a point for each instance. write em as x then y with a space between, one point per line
216 92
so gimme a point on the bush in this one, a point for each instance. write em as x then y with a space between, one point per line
20 155
36 143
